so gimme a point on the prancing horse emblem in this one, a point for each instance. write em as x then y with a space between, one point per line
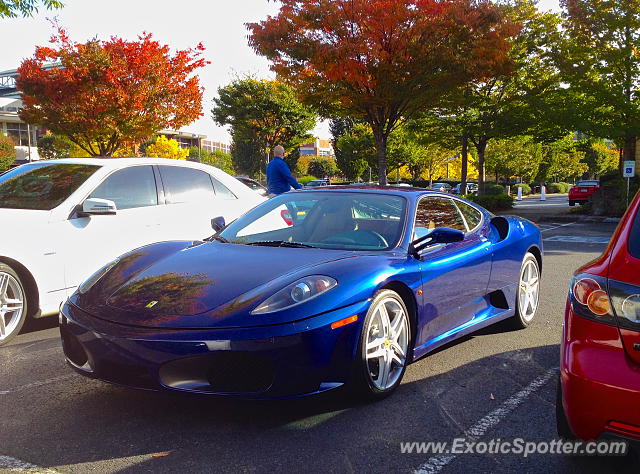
151 304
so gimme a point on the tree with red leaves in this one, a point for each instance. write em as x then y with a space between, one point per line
105 95
382 60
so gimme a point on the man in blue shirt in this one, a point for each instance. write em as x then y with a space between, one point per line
279 178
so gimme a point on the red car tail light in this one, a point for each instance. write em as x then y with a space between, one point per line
590 299
626 304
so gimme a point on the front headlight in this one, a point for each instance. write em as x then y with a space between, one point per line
298 292
93 279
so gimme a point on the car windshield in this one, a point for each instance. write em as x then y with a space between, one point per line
329 220
42 186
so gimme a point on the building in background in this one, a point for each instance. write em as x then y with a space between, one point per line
317 148
212 146
184 138
24 135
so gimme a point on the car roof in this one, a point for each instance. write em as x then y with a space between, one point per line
124 162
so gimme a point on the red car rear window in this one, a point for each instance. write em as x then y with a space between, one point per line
634 237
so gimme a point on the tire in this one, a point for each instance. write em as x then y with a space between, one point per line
562 424
13 304
391 338
528 292
572 203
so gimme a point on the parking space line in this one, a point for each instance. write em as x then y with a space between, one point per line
558 226
491 419
36 384
7 462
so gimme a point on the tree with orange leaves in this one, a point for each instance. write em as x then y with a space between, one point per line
104 95
382 60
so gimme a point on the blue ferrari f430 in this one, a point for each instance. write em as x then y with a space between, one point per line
309 291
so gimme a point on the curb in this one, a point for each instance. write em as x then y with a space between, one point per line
593 219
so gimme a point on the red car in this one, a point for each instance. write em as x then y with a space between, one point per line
599 389
580 192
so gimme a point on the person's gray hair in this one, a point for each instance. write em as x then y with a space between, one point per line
278 150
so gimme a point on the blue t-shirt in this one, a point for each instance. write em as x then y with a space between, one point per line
279 178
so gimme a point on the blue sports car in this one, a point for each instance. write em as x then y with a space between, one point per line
309 291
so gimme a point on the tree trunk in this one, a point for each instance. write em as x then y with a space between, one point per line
629 151
465 164
481 146
381 149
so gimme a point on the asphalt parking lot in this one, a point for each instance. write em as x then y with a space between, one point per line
496 383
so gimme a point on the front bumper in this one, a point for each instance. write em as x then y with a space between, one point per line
600 385
277 361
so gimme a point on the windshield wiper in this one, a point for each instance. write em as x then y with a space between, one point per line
281 243
218 238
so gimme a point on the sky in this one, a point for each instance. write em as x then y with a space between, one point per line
218 24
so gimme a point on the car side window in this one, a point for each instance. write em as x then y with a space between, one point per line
129 188
186 184
471 214
222 191
436 212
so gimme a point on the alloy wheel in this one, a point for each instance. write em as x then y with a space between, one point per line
386 343
11 305
529 290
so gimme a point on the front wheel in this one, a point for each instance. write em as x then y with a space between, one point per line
13 304
528 292
383 350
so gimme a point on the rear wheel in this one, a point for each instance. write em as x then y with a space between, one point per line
572 203
383 350
528 292
13 304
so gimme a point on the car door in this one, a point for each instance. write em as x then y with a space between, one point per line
455 275
89 242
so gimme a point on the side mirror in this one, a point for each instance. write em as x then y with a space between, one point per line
217 223
440 235
97 206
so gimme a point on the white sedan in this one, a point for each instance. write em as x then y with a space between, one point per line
61 220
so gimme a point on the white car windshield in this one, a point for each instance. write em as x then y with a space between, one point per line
42 186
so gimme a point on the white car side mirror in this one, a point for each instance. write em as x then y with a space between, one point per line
97 206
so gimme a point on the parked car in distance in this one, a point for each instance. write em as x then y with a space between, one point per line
599 390
358 284
472 188
440 187
63 219
254 185
317 182
580 192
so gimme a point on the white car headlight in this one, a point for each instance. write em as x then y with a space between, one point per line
298 292
93 279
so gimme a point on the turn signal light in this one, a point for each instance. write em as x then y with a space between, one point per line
344 322
590 299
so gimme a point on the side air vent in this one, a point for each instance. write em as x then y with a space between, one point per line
502 226
498 300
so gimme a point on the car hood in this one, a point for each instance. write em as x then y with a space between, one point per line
206 285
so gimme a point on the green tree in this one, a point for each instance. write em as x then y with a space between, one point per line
357 151
263 113
14 8
219 159
7 152
514 157
599 59
381 60
51 147
247 154
561 160
523 100
599 157
323 167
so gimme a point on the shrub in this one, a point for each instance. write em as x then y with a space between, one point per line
493 189
305 179
495 202
558 187
7 152
526 189
323 166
